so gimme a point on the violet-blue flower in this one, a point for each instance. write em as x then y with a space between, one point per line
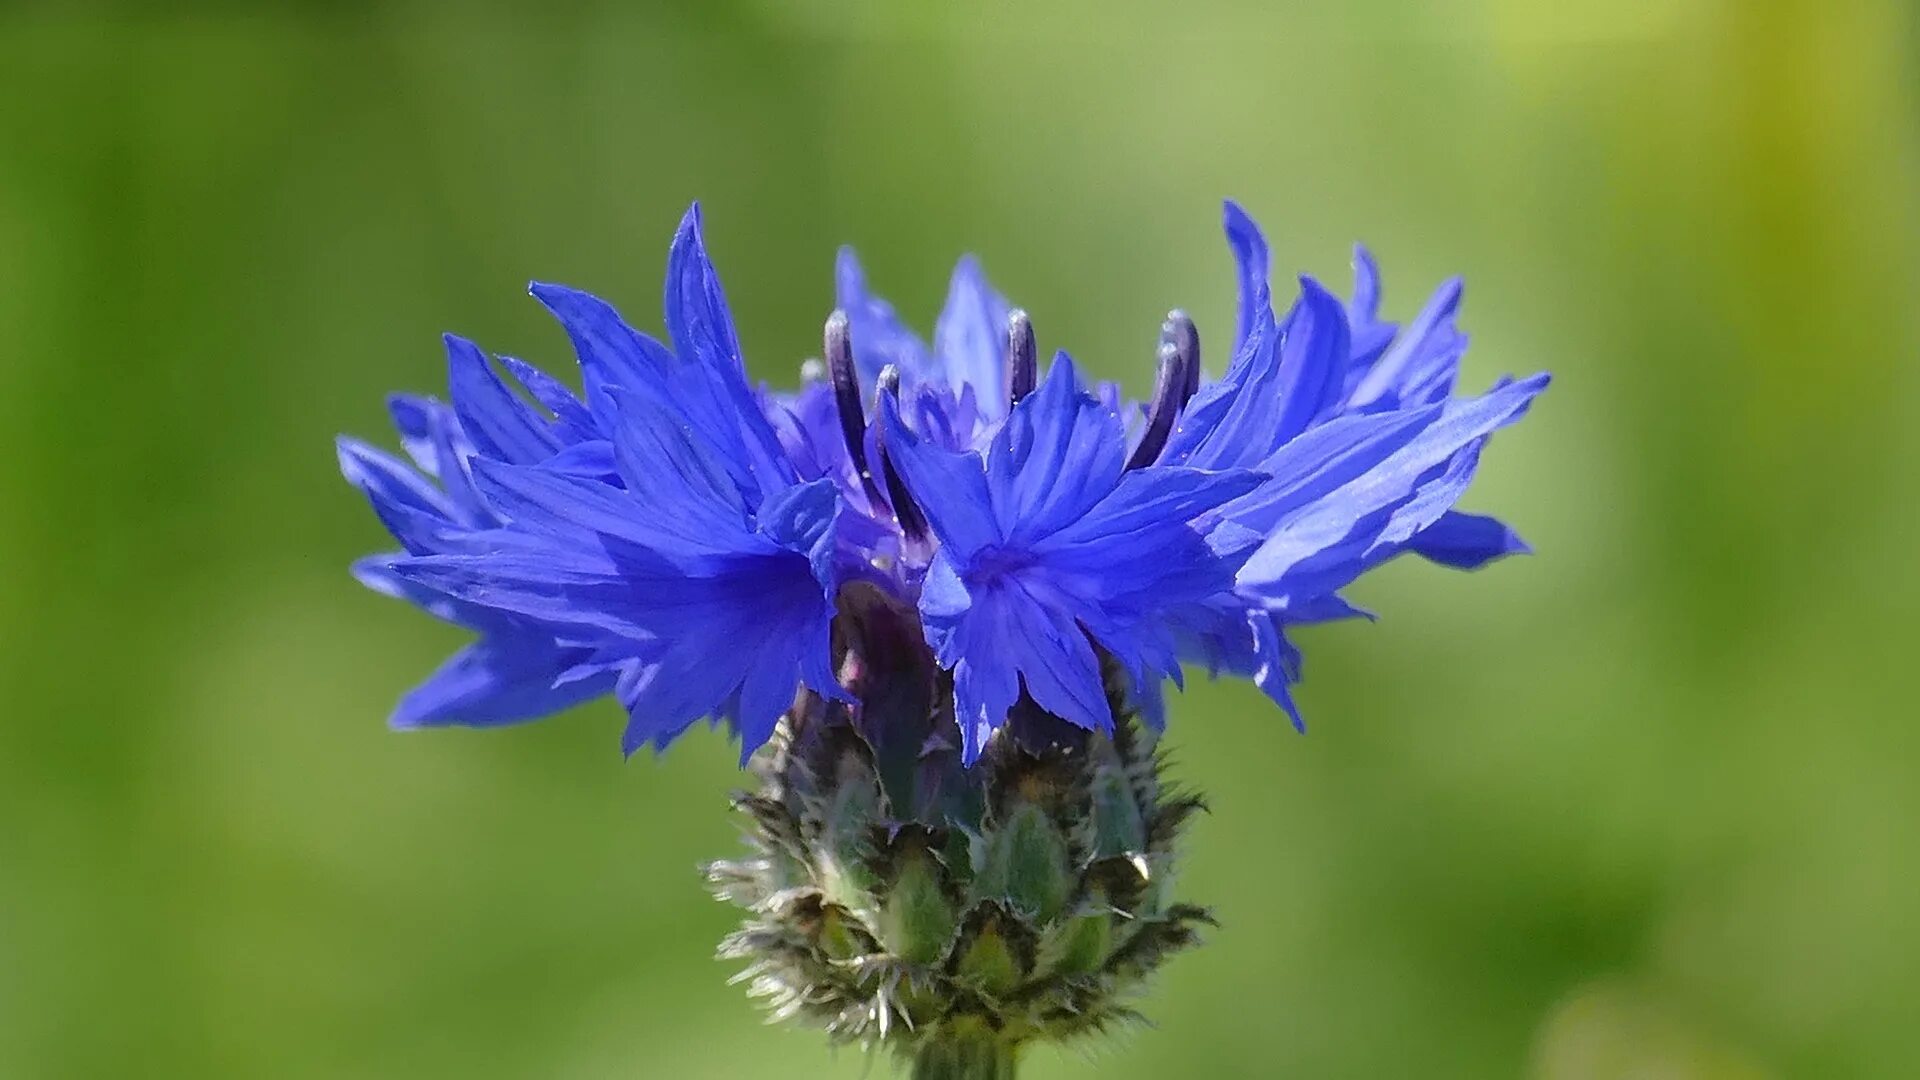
681 537
936 592
1048 548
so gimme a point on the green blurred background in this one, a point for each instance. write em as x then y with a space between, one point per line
1643 805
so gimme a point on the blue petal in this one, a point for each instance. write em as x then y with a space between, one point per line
498 681
1138 558
766 692
500 424
1072 548
574 509
1149 699
1330 607
1231 639
711 397
1467 541
970 338
742 640
949 486
611 353
1365 307
802 519
376 573
1281 381
666 696
1404 490
877 335
1420 365
453 456
1313 352
808 426
997 639
1323 460
411 415
1370 336
1251 257
387 480
1059 452
572 418
561 586
593 458
1138 548
1276 666
670 466
1385 533
1057 662
698 321
701 329
418 514
946 417
1228 421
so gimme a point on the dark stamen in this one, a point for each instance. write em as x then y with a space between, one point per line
846 397
913 524
1174 384
1185 336
1020 356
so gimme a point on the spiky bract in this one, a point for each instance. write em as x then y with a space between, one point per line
897 897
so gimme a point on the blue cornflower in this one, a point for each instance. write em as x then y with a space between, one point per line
684 538
1049 546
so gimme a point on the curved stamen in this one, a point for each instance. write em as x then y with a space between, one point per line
1178 377
1021 361
1185 336
913 524
838 351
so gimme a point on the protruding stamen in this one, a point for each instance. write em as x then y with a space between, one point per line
1178 377
1185 336
838 351
913 524
1021 361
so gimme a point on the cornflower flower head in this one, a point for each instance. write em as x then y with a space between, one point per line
936 593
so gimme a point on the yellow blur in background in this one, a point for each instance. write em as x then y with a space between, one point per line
1646 804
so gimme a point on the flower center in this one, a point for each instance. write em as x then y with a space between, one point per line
994 563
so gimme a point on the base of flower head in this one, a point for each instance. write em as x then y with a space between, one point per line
955 914
966 1051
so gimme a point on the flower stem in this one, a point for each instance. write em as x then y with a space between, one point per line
967 1053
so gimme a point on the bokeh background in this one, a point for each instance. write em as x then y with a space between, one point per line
1642 805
